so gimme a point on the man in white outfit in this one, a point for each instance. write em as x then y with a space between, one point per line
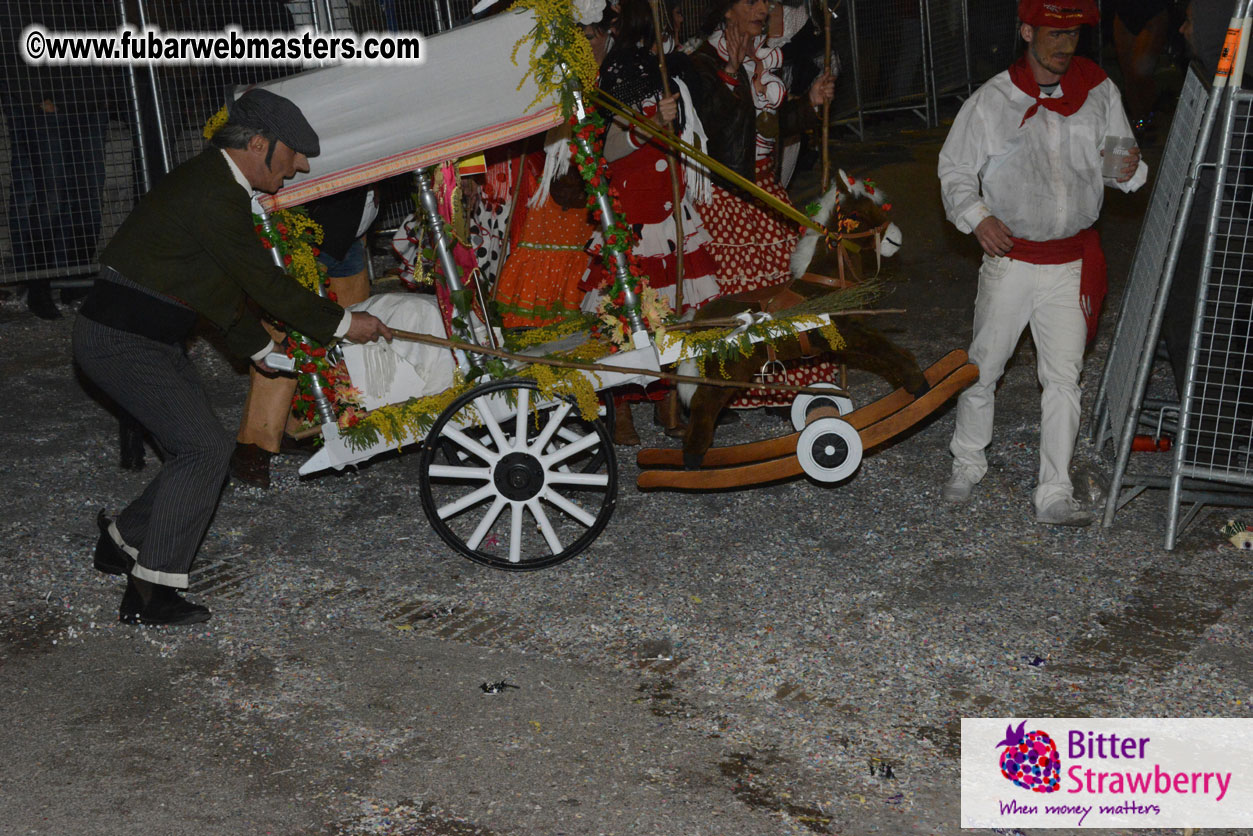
1021 169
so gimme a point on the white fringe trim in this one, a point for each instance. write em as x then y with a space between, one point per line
556 162
696 178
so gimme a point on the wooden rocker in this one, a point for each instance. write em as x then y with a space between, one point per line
828 449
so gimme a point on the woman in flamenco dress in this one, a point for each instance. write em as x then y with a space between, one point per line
747 111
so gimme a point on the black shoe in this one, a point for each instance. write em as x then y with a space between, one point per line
39 299
132 603
110 558
163 606
251 465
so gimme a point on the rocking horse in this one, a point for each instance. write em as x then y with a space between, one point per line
819 267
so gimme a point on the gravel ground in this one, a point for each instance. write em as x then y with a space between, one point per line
817 633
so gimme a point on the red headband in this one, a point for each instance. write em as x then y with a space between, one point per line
1061 14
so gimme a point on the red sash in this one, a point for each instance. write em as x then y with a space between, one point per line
1092 275
1080 78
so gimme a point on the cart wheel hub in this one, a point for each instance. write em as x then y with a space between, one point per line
519 476
830 450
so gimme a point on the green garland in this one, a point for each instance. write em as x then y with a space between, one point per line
296 236
720 345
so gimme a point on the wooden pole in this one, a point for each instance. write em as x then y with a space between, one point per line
668 411
826 106
427 339
729 321
675 188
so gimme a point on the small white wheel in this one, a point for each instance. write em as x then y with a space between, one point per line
805 404
829 450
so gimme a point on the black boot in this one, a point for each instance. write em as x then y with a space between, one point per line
39 299
150 603
110 557
132 604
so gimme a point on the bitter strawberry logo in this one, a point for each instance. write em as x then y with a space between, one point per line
1030 759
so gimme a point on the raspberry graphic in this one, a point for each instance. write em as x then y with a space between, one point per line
1030 759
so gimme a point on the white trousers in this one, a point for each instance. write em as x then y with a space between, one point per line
1013 295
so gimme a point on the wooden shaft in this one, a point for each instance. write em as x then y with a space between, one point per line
728 321
427 339
826 106
675 189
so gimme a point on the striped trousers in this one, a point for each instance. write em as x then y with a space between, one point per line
157 384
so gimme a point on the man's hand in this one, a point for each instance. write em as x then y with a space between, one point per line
366 328
1130 165
993 236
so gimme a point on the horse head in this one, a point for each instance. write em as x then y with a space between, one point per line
862 220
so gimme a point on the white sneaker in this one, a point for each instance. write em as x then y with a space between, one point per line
1064 511
957 489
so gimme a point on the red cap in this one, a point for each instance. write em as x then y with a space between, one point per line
1060 14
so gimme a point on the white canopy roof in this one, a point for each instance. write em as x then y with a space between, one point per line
379 120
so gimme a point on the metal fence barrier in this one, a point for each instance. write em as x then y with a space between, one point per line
1200 204
65 152
1215 441
79 145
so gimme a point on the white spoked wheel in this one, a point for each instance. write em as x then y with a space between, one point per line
512 487
805 404
829 449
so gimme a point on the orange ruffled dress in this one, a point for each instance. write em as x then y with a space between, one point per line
539 282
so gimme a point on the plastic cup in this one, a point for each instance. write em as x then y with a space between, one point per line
1117 149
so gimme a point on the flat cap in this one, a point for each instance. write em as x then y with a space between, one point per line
266 111
1061 14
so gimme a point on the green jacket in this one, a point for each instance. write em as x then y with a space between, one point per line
192 238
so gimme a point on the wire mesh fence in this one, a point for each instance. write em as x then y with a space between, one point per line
1195 254
891 44
1150 270
64 151
80 144
993 36
948 41
1218 401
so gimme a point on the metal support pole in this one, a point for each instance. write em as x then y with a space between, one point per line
622 271
970 71
325 409
156 102
430 206
856 60
443 251
931 102
132 86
